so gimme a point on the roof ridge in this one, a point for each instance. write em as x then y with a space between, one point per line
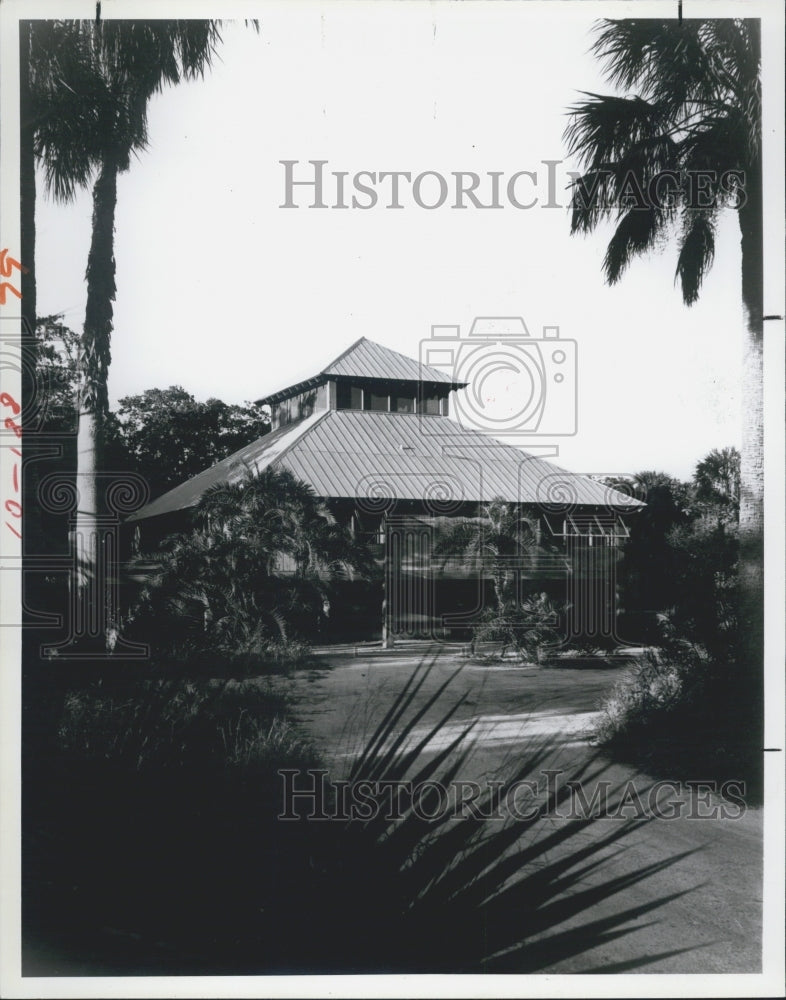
301 437
343 354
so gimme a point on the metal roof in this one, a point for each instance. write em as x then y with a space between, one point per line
370 456
367 359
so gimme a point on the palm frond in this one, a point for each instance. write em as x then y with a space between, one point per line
697 252
637 232
696 107
603 128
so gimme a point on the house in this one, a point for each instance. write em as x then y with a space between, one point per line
372 434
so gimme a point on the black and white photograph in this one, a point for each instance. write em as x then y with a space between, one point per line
392 475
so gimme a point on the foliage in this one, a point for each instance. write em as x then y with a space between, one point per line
682 554
255 570
691 705
685 712
717 482
154 847
656 685
167 436
704 588
526 628
647 570
181 723
57 359
696 107
500 538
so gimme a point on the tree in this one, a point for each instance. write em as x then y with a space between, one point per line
667 160
167 436
717 481
681 558
503 540
102 86
257 566
55 129
57 372
499 537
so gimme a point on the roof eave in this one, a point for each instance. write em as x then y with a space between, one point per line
293 390
321 379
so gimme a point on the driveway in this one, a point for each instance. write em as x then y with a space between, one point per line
714 927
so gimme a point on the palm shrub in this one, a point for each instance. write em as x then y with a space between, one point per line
503 542
253 577
526 627
499 541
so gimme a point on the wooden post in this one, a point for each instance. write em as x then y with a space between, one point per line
388 639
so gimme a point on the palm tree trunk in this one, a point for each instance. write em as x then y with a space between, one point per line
27 192
93 405
751 575
32 528
499 589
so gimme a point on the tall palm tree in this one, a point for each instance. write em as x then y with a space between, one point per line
692 103
97 91
56 116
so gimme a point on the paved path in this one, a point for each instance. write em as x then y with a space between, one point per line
713 928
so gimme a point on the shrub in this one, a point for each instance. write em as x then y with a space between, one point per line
165 723
255 572
685 712
655 685
525 628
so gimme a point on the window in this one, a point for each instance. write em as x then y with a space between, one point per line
375 401
348 396
403 404
430 404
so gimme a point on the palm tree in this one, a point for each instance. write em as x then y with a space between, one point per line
503 540
92 83
696 113
717 480
498 538
55 117
258 562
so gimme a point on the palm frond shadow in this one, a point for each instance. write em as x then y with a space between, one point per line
398 892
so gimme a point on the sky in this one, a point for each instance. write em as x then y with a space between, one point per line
222 291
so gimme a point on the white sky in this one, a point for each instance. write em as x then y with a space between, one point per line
225 293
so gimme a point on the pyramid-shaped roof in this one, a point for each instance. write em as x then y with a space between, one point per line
366 359
368 456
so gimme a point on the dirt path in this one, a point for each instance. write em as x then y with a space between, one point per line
714 927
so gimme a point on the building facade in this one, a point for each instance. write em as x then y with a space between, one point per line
372 434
